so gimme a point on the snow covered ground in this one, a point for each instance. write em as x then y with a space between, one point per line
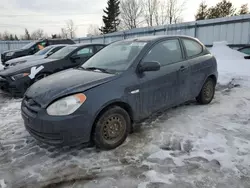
191 146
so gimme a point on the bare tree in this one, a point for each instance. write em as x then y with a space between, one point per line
64 33
150 8
131 13
174 10
93 30
37 34
161 15
71 28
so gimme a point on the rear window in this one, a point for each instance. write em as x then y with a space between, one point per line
193 48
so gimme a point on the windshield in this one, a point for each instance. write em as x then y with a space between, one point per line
44 51
115 57
63 52
27 46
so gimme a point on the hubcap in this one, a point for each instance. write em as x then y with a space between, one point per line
208 91
113 128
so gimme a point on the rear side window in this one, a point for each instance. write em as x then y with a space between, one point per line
165 53
98 48
84 52
56 49
193 48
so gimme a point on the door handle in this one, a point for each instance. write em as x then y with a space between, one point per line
182 68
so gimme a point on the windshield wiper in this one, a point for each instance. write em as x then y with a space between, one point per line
96 68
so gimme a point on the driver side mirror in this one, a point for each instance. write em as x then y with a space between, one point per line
149 66
48 54
74 58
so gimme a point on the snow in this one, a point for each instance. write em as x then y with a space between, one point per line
231 63
200 146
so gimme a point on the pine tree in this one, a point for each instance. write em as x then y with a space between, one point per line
222 9
16 38
243 9
11 37
202 12
111 20
27 35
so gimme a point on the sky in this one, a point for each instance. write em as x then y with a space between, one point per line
51 15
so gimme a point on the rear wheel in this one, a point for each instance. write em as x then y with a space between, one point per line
207 92
111 128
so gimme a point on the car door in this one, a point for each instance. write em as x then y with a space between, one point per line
81 55
160 89
196 61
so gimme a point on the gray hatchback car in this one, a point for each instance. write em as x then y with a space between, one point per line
122 84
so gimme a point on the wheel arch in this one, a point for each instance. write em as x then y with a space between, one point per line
213 77
105 107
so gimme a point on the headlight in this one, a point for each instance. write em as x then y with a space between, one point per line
18 76
67 105
10 54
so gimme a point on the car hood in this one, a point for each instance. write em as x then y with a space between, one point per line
19 59
23 66
14 50
25 58
65 83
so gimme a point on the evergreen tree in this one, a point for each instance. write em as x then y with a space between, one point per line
111 20
16 38
202 12
27 35
243 9
222 9
11 37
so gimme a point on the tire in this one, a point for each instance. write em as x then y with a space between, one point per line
40 76
111 128
207 92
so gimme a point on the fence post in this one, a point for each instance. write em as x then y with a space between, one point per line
103 39
195 30
8 43
124 35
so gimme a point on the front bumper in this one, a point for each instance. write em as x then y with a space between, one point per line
5 58
15 88
55 130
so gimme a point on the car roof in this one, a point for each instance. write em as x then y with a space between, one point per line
156 38
86 44
57 45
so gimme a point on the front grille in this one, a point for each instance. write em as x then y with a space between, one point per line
2 57
4 83
32 106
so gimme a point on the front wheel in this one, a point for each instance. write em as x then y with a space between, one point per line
111 128
207 92
40 76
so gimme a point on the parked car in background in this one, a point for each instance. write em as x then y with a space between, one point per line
245 50
124 83
32 48
44 53
17 79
